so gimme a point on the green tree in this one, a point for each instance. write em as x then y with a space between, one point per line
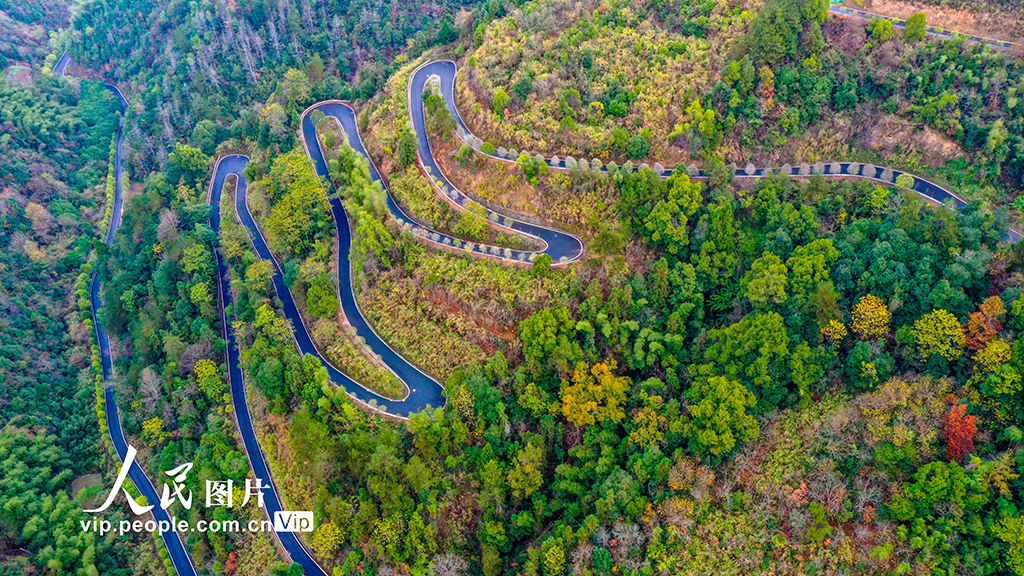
472 221
1011 531
499 101
916 27
447 33
295 86
767 281
881 29
810 266
439 118
37 512
527 473
781 25
607 241
204 135
754 351
197 258
541 266
637 147
995 144
905 182
549 339
321 299
718 416
315 68
187 163
717 260
668 221
258 275
523 87
938 487
405 149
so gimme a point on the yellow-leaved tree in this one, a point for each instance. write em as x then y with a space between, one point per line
834 332
939 332
209 379
594 395
153 431
870 318
327 539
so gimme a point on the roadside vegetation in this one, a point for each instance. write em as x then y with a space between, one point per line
779 82
791 376
52 206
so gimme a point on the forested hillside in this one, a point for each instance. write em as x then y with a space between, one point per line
215 64
53 160
28 29
691 81
775 376
778 382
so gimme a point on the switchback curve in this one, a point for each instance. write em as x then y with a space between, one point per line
228 166
563 248
446 71
423 390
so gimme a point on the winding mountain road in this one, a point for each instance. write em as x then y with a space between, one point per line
423 391
228 166
563 248
446 71
62 64
179 557
901 24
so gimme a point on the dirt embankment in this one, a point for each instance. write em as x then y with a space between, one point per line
848 133
977 17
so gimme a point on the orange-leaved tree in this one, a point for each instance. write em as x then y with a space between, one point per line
959 430
983 325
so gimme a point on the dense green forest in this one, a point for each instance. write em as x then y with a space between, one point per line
53 154
209 68
165 332
781 383
788 376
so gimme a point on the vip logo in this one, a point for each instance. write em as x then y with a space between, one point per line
286 521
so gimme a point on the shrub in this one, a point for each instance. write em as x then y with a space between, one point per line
499 101
637 147
523 88
541 266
